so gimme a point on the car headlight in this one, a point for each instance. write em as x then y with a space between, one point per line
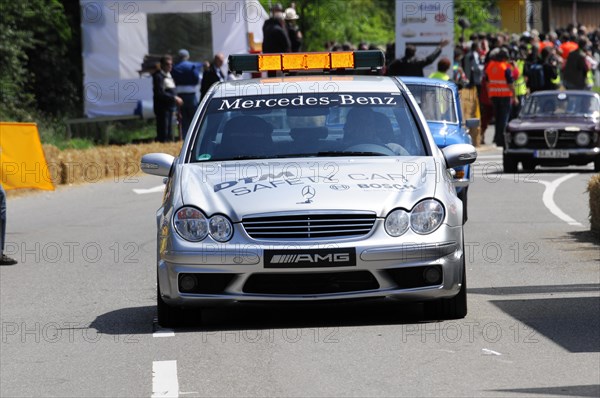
396 223
191 224
520 139
582 139
427 216
219 228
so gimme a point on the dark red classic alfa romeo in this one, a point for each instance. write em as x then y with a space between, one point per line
554 128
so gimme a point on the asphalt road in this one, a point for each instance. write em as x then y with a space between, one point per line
77 314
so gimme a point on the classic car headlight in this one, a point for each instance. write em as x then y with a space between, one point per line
521 139
219 227
396 223
191 224
426 216
582 139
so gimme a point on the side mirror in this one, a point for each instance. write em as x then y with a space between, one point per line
459 155
472 123
158 164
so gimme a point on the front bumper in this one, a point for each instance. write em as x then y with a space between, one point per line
576 156
386 265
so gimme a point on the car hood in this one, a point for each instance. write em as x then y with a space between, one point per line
544 122
239 189
446 134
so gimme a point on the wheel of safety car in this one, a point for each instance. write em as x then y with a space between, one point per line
169 316
509 164
528 166
376 148
597 166
464 197
452 308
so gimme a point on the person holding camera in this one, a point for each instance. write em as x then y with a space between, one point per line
551 64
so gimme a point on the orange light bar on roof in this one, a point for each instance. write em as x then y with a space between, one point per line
305 61
370 59
269 62
342 60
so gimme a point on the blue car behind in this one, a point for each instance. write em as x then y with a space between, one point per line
440 103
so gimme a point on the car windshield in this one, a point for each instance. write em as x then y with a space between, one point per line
561 105
307 125
436 102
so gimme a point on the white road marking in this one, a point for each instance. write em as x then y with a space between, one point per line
548 199
159 188
163 333
548 196
164 379
490 352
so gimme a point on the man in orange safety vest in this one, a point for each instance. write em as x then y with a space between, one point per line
501 91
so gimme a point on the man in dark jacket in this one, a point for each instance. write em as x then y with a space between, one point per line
275 36
576 68
410 65
213 74
165 99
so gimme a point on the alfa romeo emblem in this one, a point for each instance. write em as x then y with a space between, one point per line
551 137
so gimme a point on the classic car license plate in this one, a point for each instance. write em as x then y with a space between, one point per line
552 153
310 258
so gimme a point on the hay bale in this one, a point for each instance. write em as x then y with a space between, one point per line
120 163
594 190
51 154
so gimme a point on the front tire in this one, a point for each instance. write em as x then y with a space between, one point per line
452 308
509 164
463 196
169 316
597 166
528 166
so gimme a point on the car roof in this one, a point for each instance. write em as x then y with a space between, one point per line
428 81
308 84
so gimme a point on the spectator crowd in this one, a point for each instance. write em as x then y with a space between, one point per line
497 71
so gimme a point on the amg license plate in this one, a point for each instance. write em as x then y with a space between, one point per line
310 258
552 154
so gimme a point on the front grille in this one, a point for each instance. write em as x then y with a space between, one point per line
566 140
310 283
309 226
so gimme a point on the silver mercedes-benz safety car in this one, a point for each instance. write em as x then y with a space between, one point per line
297 188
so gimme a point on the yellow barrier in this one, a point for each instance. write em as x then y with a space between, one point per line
22 161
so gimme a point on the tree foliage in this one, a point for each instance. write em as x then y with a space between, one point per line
483 16
344 21
36 46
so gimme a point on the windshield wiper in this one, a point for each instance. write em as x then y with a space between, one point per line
242 157
350 153
302 155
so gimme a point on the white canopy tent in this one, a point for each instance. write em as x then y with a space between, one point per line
115 39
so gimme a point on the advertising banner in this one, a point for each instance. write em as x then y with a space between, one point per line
424 24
